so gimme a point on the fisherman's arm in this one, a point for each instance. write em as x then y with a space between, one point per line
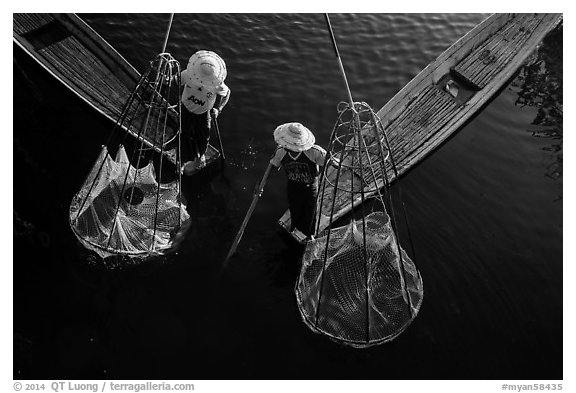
222 97
318 155
276 160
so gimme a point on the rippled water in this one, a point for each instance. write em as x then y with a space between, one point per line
485 213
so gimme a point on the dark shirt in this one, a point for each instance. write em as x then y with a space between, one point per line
300 167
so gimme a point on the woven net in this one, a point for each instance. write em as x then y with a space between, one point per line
356 296
357 285
132 204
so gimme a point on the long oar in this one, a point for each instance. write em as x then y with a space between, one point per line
219 138
257 194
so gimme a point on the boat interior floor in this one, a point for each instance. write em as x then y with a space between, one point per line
489 58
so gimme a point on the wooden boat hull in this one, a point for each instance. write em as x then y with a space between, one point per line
437 102
74 54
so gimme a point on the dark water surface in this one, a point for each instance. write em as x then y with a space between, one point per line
485 212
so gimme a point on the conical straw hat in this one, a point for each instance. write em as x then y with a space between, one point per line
206 68
294 136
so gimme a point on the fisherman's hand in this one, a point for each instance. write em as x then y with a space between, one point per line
215 112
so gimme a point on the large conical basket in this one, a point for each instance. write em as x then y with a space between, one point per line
357 285
128 205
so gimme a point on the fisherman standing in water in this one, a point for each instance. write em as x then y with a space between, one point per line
301 160
204 93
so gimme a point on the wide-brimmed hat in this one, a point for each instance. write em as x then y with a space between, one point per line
206 68
294 136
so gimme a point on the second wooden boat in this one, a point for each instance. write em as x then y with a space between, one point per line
451 89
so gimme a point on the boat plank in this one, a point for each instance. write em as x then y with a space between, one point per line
77 74
492 41
505 53
114 86
421 116
70 72
488 59
444 110
25 23
534 27
470 64
89 80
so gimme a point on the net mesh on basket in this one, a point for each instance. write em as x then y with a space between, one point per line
132 204
356 284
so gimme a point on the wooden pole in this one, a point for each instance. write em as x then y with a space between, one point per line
339 61
219 138
167 33
257 194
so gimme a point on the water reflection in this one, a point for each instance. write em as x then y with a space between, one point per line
540 87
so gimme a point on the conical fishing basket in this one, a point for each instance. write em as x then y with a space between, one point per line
357 285
131 202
